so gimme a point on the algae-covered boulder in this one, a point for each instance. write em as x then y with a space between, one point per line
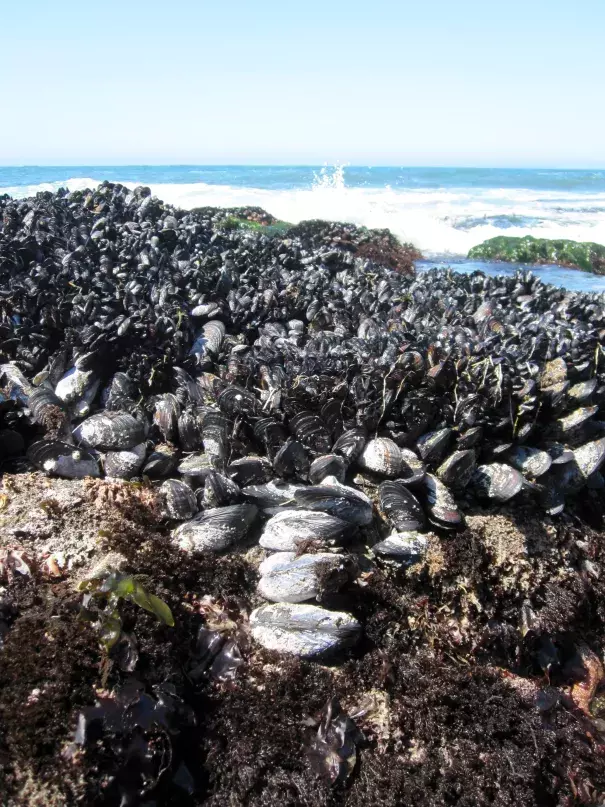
576 254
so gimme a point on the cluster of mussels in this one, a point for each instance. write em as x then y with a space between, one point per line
288 386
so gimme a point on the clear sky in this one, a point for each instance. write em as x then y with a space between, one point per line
381 82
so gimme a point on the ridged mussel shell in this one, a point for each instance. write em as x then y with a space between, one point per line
56 458
177 500
288 530
215 530
287 577
497 481
382 456
400 507
110 431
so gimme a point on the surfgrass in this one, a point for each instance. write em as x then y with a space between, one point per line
584 255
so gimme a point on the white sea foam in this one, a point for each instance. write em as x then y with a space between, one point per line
439 222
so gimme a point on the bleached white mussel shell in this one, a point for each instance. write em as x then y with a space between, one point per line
303 630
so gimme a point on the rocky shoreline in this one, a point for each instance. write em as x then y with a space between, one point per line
587 256
281 522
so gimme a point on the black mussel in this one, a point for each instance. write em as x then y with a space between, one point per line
554 372
218 491
249 471
14 384
125 464
338 500
208 341
215 530
238 401
412 469
400 507
497 481
589 457
166 414
11 443
532 462
48 410
56 458
196 465
271 435
288 577
190 430
382 456
271 494
177 500
559 454
215 436
456 471
470 438
311 431
350 444
575 419
442 507
327 465
120 393
289 530
292 460
110 431
161 462
433 446
582 391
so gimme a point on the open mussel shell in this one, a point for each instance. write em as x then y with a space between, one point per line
290 529
286 577
303 630
433 446
406 547
177 500
110 431
497 481
56 458
382 456
400 507
442 507
219 490
215 530
249 471
350 444
532 462
327 465
292 459
456 471
125 464
338 500
311 431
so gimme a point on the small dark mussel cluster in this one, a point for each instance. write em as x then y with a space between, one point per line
290 387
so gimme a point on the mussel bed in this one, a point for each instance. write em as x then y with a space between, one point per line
179 399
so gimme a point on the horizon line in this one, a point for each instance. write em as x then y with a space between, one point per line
306 165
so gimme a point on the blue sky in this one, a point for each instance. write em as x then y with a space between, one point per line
433 82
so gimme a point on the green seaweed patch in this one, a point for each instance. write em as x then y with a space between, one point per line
584 255
236 223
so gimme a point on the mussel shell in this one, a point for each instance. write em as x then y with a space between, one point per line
382 456
177 499
161 462
287 530
456 471
215 432
497 481
590 456
110 431
327 465
554 372
338 500
271 435
350 444
46 408
310 429
442 507
582 391
290 578
190 430
559 453
11 443
166 416
530 461
56 458
407 547
249 471
237 401
400 507
215 530
412 469
303 630
219 490
575 419
433 446
292 459
470 438
196 465
125 464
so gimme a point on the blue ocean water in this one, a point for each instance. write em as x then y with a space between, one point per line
442 211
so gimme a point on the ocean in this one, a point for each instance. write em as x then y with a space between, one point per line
442 211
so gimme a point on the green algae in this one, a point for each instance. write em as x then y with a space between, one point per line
584 255
236 223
